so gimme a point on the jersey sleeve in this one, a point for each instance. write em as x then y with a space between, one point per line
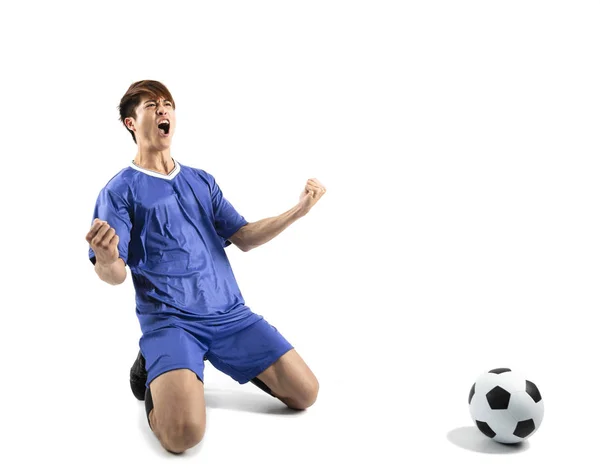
227 219
115 211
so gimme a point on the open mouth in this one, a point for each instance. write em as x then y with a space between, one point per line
165 127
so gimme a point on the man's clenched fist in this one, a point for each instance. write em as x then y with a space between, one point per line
103 240
313 191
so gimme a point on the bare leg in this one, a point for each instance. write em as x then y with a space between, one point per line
178 418
291 381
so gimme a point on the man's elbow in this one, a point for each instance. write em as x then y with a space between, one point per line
120 279
112 280
242 246
122 275
113 274
240 239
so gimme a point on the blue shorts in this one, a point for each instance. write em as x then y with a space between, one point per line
242 349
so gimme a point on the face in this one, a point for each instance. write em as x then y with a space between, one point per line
149 127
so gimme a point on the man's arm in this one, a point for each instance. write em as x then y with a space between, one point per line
104 242
113 273
260 232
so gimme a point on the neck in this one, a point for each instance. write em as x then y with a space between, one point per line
158 161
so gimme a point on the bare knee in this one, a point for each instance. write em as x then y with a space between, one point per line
304 397
178 417
177 437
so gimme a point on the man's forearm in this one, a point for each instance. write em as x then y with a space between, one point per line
260 232
112 274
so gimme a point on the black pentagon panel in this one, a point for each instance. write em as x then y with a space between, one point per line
485 428
533 391
471 393
524 428
499 371
498 398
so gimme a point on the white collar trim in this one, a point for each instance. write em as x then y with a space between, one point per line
152 173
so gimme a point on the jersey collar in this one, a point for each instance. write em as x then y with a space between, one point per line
152 173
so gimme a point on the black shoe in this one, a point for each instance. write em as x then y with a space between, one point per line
138 377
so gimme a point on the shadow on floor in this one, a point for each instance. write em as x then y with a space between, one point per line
246 402
237 400
470 438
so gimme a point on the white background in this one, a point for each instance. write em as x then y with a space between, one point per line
458 142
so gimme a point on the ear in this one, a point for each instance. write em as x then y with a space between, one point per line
129 124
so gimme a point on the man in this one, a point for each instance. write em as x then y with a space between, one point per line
170 224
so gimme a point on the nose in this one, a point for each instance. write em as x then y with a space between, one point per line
160 108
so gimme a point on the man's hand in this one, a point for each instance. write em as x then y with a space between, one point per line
103 240
311 194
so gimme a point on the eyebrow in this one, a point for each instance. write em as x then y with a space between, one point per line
154 100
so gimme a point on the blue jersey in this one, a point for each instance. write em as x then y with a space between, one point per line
173 230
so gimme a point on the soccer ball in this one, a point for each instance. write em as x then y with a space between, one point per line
506 407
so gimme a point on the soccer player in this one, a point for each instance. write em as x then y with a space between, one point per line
170 223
